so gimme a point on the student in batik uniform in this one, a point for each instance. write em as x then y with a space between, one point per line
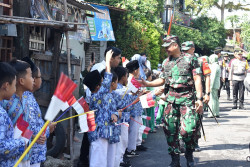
100 150
10 148
39 149
18 103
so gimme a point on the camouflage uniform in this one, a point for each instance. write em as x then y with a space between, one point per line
180 116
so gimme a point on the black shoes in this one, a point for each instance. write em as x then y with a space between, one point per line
141 148
197 148
234 107
190 158
175 160
131 154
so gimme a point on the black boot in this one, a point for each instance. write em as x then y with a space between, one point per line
175 160
242 106
189 157
228 98
235 106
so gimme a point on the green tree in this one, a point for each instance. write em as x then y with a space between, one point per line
245 31
234 20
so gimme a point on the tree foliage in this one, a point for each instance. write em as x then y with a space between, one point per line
245 31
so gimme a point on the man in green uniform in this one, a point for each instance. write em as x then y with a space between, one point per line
181 72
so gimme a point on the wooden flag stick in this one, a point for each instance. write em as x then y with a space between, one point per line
75 116
125 93
32 143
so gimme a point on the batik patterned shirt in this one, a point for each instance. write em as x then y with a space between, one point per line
101 101
15 107
10 148
38 153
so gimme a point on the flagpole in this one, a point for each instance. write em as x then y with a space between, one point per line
32 143
75 116
171 20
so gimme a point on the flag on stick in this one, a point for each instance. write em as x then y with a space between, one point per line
144 129
124 61
133 85
20 127
27 135
146 117
63 92
86 121
147 100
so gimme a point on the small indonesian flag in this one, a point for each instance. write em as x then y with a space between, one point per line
27 135
144 129
20 127
147 100
63 92
86 121
123 123
124 61
146 117
133 85
21 130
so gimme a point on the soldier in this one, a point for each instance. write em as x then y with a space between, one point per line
237 74
225 73
181 72
189 47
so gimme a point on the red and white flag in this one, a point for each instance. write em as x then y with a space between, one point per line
63 92
133 85
124 61
144 129
21 130
27 135
146 117
20 127
86 121
147 100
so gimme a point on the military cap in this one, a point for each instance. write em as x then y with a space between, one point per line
218 49
239 52
225 55
92 79
132 66
187 45
169 40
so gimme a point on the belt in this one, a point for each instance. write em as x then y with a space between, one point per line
239 74
180 90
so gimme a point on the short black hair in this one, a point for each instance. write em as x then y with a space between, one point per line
20 66
115 77
143 54
92 80
148 72
121 72
33 67
7 73
116 51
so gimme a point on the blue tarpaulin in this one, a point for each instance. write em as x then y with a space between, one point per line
100 26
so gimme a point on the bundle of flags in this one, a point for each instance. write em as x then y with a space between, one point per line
21 130
144 129
86 121
133 85
63 92
147 100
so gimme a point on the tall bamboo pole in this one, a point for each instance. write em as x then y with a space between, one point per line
69 74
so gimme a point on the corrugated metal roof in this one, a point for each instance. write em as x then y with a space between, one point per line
110 7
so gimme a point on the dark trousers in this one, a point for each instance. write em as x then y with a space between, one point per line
84 152
238 88
221 85
227 85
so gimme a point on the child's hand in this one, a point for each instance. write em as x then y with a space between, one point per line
52 127
41 140
159 91
114 118
120 113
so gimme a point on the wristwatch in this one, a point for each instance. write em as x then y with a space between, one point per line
200 98
208 93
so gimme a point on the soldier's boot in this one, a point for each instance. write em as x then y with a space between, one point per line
175 160
241 106
235 106
189 157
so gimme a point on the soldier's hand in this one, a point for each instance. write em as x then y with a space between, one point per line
159 91
199 106
143 82
206 99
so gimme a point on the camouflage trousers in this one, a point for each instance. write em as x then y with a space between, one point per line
181 121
